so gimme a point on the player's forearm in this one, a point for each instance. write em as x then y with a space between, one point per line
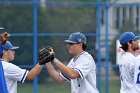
53 73
71 73
34 72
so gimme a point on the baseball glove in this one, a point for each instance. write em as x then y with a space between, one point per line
44 55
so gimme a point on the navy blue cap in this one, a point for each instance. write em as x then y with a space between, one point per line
9 46
126 37
76 37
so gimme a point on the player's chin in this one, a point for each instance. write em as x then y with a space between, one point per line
12 58
138 47
70 51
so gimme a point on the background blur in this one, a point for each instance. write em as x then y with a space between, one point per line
35 23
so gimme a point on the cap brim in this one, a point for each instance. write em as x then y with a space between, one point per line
136 37
1 28
69 41
13 48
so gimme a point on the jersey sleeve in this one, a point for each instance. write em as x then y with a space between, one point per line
16 73
65 77
1 49
3 87
85 65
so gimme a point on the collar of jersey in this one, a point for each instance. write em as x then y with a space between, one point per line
1 59
78 56
131 53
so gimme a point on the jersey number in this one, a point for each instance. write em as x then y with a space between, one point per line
138 77
120 72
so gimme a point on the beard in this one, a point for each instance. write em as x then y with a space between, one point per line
136 48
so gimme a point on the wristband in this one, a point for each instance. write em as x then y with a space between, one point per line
55 60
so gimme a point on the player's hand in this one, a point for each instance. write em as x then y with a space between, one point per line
4 37
51 51
46 55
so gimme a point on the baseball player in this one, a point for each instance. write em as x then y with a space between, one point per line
81 69
12 72
129 44
3 87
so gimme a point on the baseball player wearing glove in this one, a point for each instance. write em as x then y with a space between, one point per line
81 69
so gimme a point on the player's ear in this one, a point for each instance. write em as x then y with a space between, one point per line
81 44
129 43
4 51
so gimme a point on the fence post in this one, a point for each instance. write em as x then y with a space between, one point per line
99 42
35 43
107 47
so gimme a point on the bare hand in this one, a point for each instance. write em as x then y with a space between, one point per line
4 37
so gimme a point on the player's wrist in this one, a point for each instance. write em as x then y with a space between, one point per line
55 60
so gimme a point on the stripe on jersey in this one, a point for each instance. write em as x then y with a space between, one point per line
78 56
23 76
82 76
66 77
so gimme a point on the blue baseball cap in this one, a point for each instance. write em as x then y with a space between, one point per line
126 37
9 46
76 37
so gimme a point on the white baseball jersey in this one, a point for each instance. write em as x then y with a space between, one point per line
127 72
136 88
13 74
85 66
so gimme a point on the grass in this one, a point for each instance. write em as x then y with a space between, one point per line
114 86
51 87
